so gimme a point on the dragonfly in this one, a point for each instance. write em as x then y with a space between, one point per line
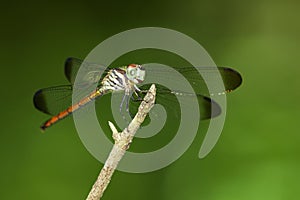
57 101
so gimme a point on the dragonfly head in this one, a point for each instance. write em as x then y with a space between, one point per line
135 73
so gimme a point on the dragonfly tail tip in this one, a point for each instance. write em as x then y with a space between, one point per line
43 128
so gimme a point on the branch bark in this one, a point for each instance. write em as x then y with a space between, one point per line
122 143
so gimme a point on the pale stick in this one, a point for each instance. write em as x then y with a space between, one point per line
122 143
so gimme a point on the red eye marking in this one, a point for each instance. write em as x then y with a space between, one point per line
132 65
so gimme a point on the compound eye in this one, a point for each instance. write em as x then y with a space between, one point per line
131 73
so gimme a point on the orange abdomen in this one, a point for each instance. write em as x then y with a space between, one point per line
71 109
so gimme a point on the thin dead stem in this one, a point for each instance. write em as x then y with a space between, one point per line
122 143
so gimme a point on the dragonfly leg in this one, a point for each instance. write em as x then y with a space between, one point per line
138 91
122 102
136 97
127 106
121 106
136 88
126 99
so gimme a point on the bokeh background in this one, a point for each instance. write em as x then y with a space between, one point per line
257 156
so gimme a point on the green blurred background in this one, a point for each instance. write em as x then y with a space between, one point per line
257 156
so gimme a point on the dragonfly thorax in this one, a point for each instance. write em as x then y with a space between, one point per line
123 78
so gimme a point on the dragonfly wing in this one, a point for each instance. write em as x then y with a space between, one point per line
206 104
90 72
231 78
208 107
168 99
53 100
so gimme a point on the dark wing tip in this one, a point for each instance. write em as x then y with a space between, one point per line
71 67
68 60
68 67
232 78
215 108
71 60
37 100
208 108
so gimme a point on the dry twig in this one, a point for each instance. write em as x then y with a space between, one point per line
122 143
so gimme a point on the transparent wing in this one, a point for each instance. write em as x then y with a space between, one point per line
231 78
53 100
168 99
90 72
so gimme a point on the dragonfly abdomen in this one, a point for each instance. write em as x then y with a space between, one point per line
92 96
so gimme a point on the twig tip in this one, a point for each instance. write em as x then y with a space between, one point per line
112 127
